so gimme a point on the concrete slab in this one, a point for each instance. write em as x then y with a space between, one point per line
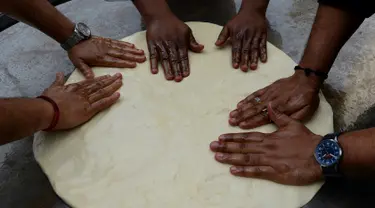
29 61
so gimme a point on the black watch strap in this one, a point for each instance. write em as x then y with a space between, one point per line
309 71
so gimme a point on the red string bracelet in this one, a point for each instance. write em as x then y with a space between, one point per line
56 110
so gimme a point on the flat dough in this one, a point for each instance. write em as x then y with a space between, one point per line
151 149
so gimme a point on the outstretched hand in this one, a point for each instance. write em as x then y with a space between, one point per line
296 96
104 52
169 40
248 35
285 156
79 102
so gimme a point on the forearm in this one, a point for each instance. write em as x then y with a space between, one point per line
254 5
151 9
358 153
20 117
41 15
332 28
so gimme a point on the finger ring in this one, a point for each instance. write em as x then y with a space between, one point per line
257 99
265 112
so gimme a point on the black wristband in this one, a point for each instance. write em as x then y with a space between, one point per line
309 71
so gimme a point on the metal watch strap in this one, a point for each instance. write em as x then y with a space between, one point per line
72 41
331 171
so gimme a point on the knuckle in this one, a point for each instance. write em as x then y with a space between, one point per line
270 146
98 85
153 55
242 147
164 55
99 56
254 46
235 49
245 50
239 35
284 168
101 92
183 58
252 159
257 171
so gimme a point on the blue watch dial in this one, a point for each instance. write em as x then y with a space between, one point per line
328 152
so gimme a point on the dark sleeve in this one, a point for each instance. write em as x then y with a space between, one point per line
364 8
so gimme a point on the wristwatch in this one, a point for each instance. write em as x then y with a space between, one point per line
81 32
328 154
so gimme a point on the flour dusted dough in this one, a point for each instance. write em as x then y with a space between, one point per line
151 149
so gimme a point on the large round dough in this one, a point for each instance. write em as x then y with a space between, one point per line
151 149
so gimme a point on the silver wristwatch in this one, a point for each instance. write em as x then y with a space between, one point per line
81 32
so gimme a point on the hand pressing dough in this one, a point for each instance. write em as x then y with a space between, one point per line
151 149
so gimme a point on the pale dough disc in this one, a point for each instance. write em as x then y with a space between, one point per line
151 150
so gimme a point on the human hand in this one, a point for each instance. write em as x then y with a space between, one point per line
285 156
297 96
79 102
105 52
247 32
169 40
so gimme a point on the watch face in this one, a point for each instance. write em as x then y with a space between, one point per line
328 152
84 30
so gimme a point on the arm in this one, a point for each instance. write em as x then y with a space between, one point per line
21 117
77 103
168 39
41 15
96 51
151 9
333 26
255 5
248 34
287 155
358 153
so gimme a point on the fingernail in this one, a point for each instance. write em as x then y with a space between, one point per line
235 170
219 156
235 65
253 66
154 71
118 75
117 94
222 137
178 79
214 145
233 121
244 68
233 114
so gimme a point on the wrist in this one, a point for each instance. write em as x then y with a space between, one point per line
46 113
66 31
313 81
249 7
158 17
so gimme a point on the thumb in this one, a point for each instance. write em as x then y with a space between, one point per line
280 119
194 45
59 81
224 34
85 69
